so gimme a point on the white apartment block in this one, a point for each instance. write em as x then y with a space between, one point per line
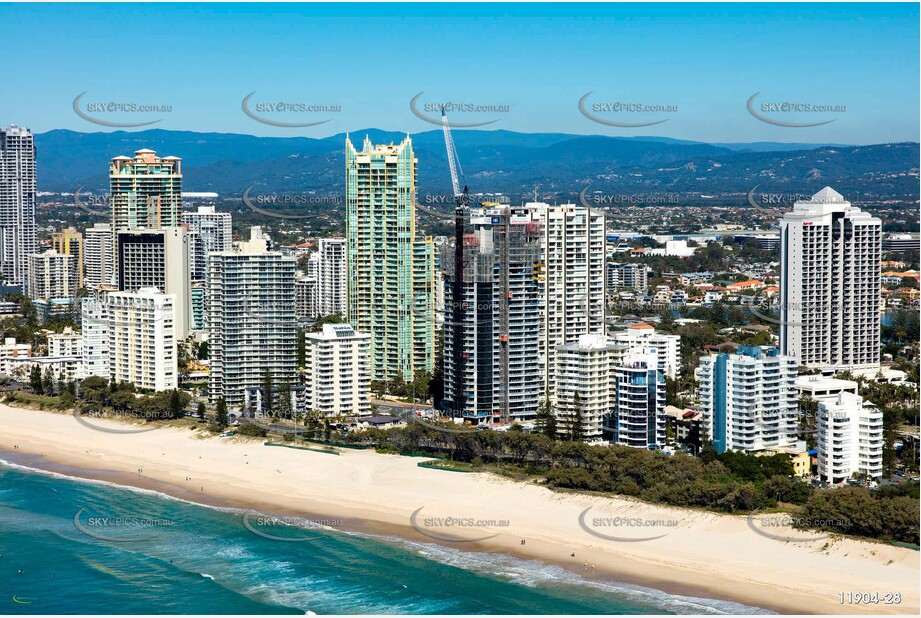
331 283
52 275
668 347
338 370
97 256
67 343
639 407
627 275
587 367
135 331
573 295
850 438
63 368
749 399
209 232
9 349
251 319
830 283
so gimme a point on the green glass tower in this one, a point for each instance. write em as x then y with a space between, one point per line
391 286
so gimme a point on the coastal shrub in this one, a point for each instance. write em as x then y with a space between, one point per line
853 510
251 430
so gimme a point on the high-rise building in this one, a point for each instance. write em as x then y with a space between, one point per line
639 405
496 342
573 277
141 341
70 242
94 327
332 291
17 204
52 275
391 293
145 192
668 347
97 256
209 232
251 320
829 283
157 258
338 371
749 399
586 386
850 438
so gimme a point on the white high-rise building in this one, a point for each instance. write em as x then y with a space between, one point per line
52 275
129 337
338 370
157 258
627 275
668 347
251 319
587 368
749 399
573 277
850 438
306 297
97 256
829 283
639 409
331 283
209 231
17 204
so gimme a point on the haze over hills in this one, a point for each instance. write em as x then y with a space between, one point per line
556 164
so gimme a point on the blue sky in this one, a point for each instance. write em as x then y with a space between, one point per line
538 60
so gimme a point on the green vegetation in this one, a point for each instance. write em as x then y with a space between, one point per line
732 482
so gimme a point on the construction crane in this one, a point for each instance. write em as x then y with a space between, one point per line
457 286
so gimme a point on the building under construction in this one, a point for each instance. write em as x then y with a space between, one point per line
499 342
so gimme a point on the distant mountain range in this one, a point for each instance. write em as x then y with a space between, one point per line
556 165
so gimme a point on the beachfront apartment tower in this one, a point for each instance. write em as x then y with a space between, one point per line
829 283
144 192
668 347
140 337
586 387
572 276
338 371
639 405
97 256
17 204
499 349
251 319
749 399
850 438
390 293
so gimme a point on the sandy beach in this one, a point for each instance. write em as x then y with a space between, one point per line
696 553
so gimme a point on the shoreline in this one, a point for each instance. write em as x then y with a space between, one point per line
711 557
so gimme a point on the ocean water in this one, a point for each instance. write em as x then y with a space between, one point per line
184 558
